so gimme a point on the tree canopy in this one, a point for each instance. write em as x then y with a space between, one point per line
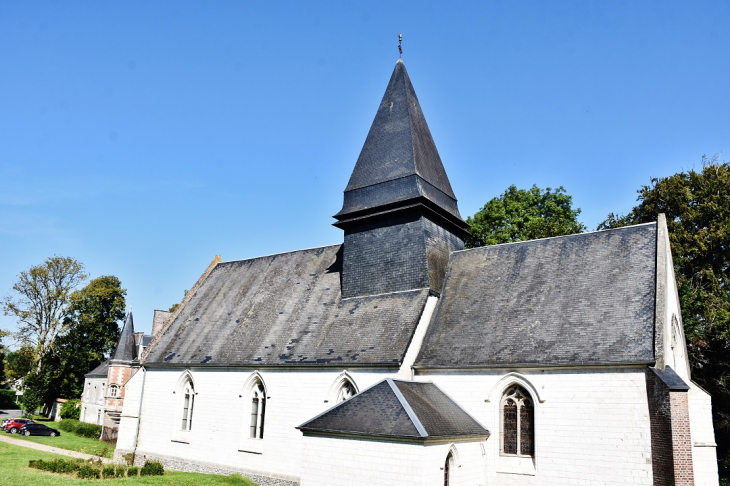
39 302
697 208
93 332
524 214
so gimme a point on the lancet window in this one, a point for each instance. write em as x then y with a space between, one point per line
518 423
258 410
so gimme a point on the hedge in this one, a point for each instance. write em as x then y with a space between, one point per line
7 399
92 431
96 470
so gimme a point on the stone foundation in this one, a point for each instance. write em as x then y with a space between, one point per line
175 464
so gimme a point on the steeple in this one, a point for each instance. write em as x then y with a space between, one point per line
399 164
126 349
399 214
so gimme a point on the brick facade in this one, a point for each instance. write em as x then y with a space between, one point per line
671 441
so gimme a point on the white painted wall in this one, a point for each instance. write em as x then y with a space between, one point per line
221 416
92 400
332 461
591 425
704 449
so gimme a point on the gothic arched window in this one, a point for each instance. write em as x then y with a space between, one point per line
518 422
113 390
346 391
448 468
258 410
188 393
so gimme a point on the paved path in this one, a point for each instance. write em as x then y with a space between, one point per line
54 450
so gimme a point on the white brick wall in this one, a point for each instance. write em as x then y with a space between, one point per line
704 453
93 401
593 424
221 416
331 461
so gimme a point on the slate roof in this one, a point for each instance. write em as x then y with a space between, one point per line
101 370
126 349
287 309
671 379
572 300
398 409
399 162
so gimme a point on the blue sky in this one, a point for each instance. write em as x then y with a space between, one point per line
144 138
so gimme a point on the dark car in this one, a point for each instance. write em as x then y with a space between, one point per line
15 424
38 429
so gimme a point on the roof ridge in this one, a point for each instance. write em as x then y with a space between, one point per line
555 237
280 253
407 407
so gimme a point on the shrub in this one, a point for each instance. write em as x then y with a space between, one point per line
88 472
152 468
119 471
132 471
108 472
129 458
91 431
71 410
68 425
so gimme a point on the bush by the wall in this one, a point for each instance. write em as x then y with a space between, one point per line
71 409
92 431
132 471
88 472
152 468
119 471
108 472
56 465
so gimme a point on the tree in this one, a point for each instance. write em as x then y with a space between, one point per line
523 214
697 208
93 332
19 363
40 300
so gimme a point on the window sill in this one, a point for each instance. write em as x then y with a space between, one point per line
180 441
516 465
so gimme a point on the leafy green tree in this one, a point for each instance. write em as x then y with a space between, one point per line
93 332
39 302
697 208
19 363
524 214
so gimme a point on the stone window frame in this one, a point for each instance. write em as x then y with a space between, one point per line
114 390
450 465
255 397
344 380
514 464
182 424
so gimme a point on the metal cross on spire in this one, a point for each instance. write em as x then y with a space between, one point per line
400 48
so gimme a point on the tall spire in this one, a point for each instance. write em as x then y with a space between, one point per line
126 349
399 163
399 213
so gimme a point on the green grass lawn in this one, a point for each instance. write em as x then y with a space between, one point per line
70 441
14 470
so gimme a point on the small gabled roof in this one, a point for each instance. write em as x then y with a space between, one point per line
399 162
398 409
671 379
101 370
126 348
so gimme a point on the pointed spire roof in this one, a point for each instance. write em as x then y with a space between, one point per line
399 162
126 349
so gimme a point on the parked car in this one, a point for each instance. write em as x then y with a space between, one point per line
4 422
37 429
15 424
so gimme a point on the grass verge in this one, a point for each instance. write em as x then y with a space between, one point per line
14 470
71 442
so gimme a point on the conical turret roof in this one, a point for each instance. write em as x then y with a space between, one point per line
399 162
126 349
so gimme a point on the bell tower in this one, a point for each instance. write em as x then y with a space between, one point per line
399 214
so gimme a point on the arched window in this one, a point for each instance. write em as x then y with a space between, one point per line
518 422
188 403
258 410
113 390
346 391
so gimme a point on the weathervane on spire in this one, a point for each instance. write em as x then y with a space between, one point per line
400 48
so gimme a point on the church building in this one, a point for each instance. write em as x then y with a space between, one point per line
399 358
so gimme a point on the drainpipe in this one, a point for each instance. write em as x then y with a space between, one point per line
139 414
